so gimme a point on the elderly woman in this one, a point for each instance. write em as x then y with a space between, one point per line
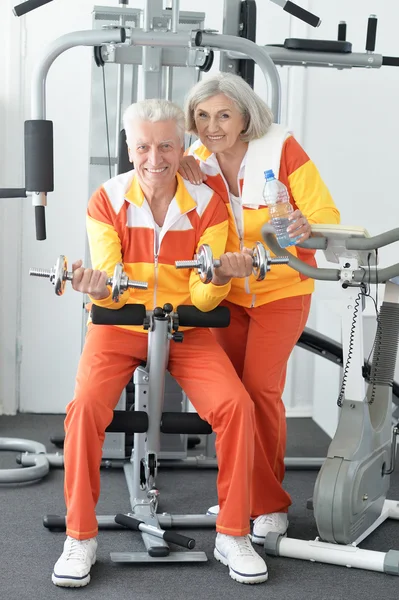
237 143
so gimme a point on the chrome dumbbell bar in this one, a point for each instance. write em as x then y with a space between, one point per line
59 275
206 264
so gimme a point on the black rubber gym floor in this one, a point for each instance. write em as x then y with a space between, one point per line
28 550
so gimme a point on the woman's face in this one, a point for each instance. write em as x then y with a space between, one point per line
219 123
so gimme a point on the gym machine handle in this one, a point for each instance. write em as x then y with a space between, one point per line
342 31
168 536
373 243
371 33
25 7
12 193
300 13
390 61
129 314
374 276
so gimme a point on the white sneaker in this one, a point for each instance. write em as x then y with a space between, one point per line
72 569
237 553
213 510
274 522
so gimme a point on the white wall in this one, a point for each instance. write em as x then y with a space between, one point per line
344 120
350 130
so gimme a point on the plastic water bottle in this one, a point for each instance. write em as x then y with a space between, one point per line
277 200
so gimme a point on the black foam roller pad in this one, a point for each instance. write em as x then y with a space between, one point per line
190 316
39 161
129 421
184 423
130 314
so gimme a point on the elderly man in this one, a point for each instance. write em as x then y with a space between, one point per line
148 218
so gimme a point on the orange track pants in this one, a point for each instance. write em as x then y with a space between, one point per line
205 373
259 342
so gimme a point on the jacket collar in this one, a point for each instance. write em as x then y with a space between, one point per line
184 200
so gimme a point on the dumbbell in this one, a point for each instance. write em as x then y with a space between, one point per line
59 275
206 264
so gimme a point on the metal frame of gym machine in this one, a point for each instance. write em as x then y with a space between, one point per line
170 48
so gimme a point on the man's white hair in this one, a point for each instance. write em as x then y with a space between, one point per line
154 110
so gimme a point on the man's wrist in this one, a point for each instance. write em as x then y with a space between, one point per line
220 280
102 296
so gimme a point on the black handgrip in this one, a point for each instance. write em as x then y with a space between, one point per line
12 193
128 522
25 7
179 540
128 421
189 422
342 31
40 221
390 61
371 33
130 314
39 156
302 14
190 316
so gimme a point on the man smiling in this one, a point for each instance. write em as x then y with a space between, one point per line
147 219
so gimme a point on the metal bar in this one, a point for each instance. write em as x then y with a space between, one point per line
303 58
171 57
360 275
231 23
175 15
119 101
258 54
65 42
375 242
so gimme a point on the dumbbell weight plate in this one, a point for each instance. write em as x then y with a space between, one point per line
260 261
205 258
60 272
116 282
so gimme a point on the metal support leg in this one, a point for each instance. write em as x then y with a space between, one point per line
141 472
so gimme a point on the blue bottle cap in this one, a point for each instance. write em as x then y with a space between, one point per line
269 175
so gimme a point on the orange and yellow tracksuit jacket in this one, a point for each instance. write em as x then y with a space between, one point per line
307 192
121 228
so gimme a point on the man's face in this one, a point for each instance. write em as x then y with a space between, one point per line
155 150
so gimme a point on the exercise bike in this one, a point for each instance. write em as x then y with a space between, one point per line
349 500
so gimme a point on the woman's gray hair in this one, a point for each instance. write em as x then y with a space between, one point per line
154 110
257 115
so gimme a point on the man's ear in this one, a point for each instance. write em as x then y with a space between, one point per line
129 154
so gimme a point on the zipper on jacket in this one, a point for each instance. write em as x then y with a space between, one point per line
156 254
234 218
155 278
247 287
